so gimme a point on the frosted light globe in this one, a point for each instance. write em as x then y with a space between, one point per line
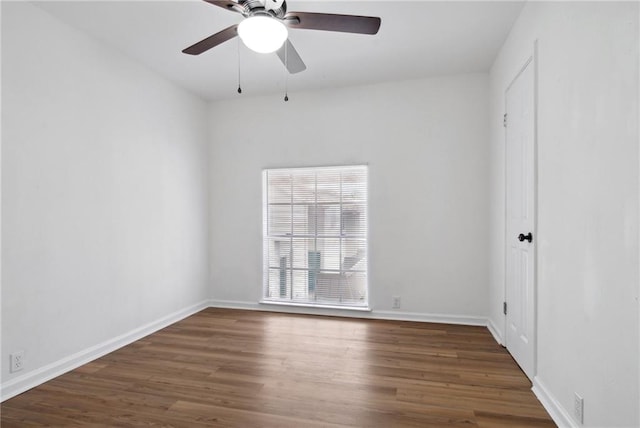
262 34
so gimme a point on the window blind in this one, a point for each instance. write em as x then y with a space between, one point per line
315 236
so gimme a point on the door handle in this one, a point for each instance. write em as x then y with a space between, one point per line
527 237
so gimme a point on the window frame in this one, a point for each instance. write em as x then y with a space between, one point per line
344 238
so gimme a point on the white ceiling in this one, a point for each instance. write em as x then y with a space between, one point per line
416 39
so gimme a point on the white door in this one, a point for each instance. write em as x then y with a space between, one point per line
520 221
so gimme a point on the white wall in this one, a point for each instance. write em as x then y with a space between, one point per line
587 203
104 178
425 142
110 221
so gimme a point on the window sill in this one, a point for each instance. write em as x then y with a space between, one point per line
317 306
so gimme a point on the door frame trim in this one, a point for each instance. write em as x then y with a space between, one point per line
534 61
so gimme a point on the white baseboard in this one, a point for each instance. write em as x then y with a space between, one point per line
495 332
389 315
558 413
38 376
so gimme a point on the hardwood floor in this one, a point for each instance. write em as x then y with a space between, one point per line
232 368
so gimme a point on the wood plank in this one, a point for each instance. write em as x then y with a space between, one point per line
233 368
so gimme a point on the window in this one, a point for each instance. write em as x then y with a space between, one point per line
315 236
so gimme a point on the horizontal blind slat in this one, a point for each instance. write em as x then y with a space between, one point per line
315 235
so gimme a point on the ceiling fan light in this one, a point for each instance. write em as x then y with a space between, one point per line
262 34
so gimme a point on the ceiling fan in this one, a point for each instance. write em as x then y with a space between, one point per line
264 28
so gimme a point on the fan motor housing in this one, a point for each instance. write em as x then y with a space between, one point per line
257 7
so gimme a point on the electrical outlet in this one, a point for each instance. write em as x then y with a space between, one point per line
17 361
578 408
396 302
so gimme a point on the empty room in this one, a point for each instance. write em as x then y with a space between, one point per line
269 213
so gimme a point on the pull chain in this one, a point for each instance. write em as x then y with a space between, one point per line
286 71
239 88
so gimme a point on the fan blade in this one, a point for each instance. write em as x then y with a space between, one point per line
212 41
292 60
227 4
331 22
